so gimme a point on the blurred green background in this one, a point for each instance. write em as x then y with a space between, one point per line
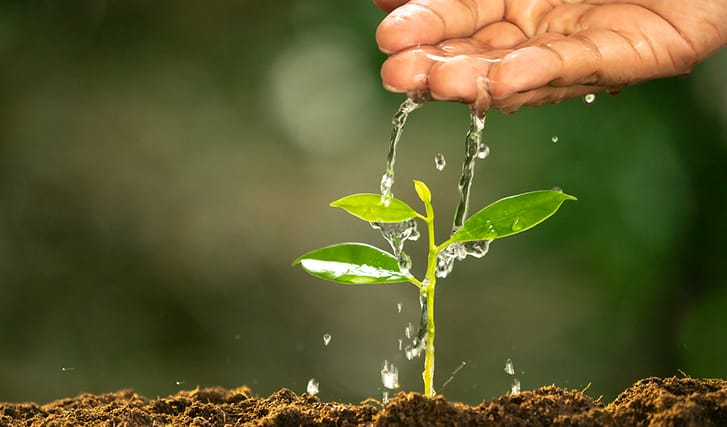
162 163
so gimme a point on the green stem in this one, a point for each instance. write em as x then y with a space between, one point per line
427 292
428 373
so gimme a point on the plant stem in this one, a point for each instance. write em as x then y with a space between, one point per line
428 373
427 292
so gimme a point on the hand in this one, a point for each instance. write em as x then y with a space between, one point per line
505 54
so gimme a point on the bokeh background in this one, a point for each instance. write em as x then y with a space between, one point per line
162 163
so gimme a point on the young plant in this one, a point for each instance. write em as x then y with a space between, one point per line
362 264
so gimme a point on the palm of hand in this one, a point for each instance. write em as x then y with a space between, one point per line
529 52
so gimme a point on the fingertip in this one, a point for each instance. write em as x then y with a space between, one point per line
406 71
408 26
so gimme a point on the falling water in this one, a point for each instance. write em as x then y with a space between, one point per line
439 161
397 233
510 370
509 367
399 120
472 149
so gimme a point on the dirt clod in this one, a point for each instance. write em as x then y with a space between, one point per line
649 402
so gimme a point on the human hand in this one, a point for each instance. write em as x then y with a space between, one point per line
506 54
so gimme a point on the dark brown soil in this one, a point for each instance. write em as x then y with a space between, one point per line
652 402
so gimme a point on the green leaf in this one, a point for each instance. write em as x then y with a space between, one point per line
370 208
423 191
511 215
353 264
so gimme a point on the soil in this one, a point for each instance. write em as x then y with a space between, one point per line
649 402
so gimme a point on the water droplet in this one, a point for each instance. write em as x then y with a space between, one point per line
477 248
509 367
237 337
180 382
385 397
439 161
517 226
589 98
67 369
327 339
554 138
401 343
398 307
389 376
312 387
408 330
483 151
558 189
515 387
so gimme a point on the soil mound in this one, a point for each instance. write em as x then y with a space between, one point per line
649 402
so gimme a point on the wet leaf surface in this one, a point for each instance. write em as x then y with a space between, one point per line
353 264
511 215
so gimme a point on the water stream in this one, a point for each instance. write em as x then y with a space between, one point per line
399 120
398 233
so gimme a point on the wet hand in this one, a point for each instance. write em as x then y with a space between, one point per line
505 54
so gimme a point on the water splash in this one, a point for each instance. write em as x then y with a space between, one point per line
439 161
515 387
327 339
589 98
473 141
399 120
397 233
509 367
510 370
554 138
418 344
312 387
408 331
457 252
389 376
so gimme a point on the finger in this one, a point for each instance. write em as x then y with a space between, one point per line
602 57
463 78
389 5
407 71
428 22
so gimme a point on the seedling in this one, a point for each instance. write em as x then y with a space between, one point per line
362 264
